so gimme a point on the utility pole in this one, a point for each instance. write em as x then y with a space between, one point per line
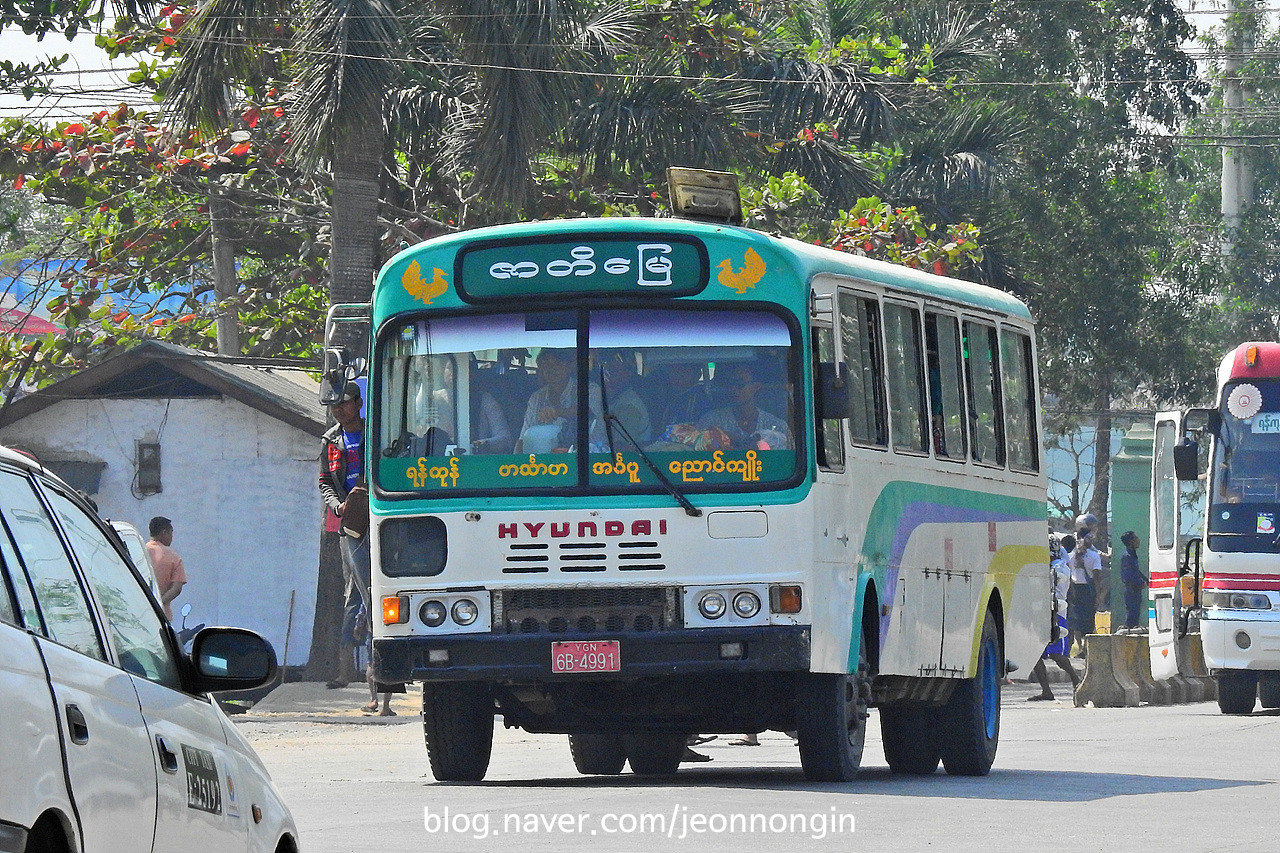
225 286
1237 174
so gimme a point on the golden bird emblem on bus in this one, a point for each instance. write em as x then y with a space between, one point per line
421 289
752 271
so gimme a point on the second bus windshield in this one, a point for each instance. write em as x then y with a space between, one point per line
500 401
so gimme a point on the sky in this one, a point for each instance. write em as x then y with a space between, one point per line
89 81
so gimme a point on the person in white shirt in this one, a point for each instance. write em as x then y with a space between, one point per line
1085 564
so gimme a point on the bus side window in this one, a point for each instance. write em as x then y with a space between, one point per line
946 388
1020 400
906 378
860 336
986 420
829 444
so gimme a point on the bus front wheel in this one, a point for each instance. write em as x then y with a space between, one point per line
656 753
831 721
1237 691
457 721
910 738
598 754
970 720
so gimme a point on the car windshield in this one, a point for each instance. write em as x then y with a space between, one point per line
1246 468
515 401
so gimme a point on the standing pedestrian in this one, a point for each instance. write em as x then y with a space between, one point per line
342 487
1057 650
1085 565
171 574
1135 582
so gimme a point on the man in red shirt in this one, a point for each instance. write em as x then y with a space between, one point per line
171 575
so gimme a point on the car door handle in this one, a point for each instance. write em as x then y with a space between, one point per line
75 722
168 758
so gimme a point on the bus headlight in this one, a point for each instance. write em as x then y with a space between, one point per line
712 605
465 611
746 604
1237 601
432 613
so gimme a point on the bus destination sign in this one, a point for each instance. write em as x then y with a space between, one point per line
648 265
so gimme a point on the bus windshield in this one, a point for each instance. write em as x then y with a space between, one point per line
495 402
1246 468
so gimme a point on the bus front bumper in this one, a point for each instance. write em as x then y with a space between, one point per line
527 657
1224 636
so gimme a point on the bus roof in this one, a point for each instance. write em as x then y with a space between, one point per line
806 259
1235 364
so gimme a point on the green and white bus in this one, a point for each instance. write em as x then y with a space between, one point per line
635 479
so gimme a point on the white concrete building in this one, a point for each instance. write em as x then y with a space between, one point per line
227 451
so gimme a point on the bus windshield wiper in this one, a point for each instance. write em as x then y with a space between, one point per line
611 419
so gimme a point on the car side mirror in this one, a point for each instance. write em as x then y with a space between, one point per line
226 659
1186 459
832 391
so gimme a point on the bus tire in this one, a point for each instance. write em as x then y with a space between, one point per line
656 753
970 720
457 721
831 721
1237 691
1269 690
910 735
598 754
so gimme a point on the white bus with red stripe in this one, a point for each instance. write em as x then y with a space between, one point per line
1226 575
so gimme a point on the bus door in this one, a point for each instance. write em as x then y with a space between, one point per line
836 542
1166 522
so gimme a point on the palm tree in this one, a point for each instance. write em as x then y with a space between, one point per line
344 56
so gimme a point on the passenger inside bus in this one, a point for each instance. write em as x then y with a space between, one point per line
618 370
550 416
746 424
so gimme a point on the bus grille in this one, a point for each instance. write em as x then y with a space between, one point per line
586 610
538 557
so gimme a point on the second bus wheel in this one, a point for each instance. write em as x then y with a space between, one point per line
655 753
970 721
1237 691
831 721
1269 690
457 721
910 737
598 754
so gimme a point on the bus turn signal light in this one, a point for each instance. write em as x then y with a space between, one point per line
395 609
785 599
1251 356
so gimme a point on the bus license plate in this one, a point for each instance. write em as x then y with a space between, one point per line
596 656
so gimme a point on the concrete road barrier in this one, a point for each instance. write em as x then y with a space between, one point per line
1107 682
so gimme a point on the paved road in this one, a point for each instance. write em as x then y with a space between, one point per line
1175 778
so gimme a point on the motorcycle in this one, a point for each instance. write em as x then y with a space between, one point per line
185 634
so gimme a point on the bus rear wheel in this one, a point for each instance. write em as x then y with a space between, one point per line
598 754
1269 690
910 737
1237 691
970 721
457 721
656 753
831 721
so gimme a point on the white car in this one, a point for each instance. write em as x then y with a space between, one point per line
108 739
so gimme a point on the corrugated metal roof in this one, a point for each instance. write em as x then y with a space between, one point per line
292 399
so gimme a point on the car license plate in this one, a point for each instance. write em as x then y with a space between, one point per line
595 656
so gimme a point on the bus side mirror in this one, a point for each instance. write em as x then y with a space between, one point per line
1186 459
1203 420
339 369
832 391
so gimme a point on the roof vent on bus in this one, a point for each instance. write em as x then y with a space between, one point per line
703 194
